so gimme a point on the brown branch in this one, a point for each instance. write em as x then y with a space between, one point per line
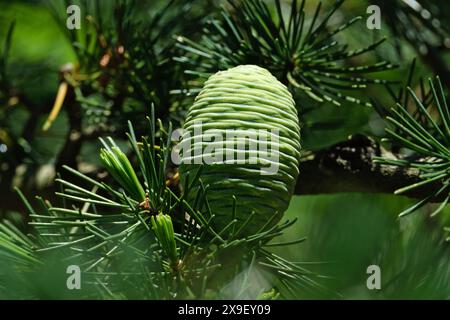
348 167
344 167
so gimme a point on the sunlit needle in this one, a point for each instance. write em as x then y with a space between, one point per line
61 95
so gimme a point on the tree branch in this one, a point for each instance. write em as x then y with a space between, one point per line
348 167
344 167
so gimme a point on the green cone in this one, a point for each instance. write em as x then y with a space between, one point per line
245 99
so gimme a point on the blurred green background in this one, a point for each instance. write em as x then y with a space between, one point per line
353 231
